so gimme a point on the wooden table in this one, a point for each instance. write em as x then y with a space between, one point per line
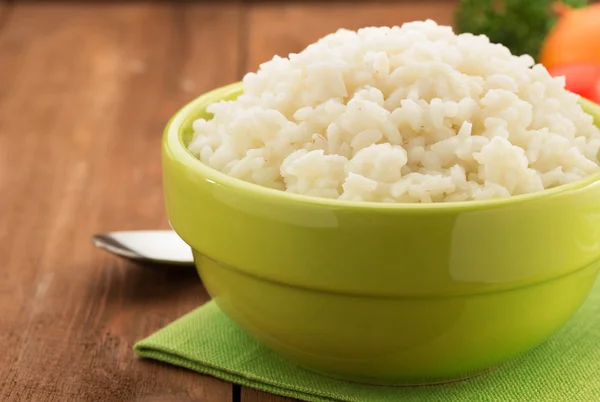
85 90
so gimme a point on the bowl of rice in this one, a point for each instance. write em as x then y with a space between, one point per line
395 205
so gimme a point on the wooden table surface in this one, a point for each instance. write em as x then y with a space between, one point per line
85 90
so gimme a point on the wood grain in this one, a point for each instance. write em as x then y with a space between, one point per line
4 6
283 28
85 91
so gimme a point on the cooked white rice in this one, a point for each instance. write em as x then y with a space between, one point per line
404 114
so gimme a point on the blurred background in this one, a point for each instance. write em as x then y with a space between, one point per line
87 86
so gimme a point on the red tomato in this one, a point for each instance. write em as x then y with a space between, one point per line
582 79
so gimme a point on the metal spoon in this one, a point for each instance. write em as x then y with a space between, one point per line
152 246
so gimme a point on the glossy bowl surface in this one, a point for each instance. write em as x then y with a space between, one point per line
383 293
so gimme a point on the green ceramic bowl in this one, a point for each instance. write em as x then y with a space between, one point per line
383 293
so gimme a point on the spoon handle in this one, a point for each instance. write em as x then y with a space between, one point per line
155 246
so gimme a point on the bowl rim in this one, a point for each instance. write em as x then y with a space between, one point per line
174 146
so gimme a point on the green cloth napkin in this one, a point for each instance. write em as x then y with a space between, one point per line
566 368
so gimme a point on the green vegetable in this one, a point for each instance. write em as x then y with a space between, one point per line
520 25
